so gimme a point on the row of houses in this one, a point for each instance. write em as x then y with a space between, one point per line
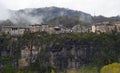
20 30
97 28
106 28
13 30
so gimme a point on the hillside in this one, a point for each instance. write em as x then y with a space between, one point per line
56 16
41 15
99 19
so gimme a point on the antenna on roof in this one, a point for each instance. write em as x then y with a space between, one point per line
94 18
94 14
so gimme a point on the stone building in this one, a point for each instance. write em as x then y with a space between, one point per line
103 28
14 30
117 25
41 28
35 28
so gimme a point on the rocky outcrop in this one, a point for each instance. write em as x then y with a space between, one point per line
81 29
28 55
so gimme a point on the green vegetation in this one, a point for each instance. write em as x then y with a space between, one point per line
99 19
84 69
8 69
111 68
67 21
99 50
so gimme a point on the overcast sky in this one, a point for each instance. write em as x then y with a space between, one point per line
97 7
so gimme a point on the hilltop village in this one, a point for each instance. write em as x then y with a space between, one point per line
104 27
64 49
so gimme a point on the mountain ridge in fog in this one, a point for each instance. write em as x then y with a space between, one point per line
41 15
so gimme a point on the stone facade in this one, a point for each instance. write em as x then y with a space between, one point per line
35 28
103 28
96 28
117 26
14 30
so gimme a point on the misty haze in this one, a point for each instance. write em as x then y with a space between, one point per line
63 36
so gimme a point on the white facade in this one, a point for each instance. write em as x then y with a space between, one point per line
117 27
93 28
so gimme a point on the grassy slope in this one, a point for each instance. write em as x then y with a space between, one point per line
84 69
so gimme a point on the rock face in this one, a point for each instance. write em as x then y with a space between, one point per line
71 57
28 55
81 29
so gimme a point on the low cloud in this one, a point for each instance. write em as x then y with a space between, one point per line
25 18
4 13
18 18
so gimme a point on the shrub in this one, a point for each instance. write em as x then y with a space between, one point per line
111 68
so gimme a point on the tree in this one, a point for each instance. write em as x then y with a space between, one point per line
111 68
